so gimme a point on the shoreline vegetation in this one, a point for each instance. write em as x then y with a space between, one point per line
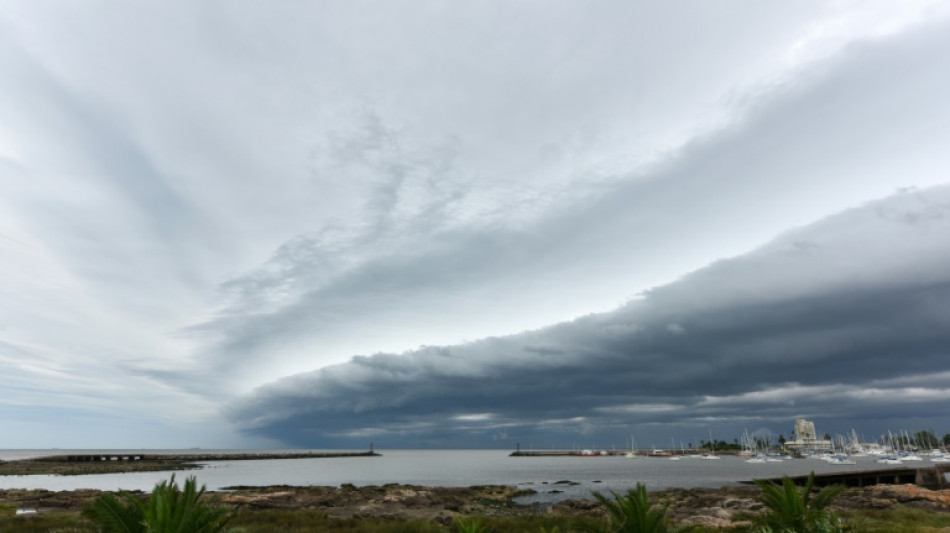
411 508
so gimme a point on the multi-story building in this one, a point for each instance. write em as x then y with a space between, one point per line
806 438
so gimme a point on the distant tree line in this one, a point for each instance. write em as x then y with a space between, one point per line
716 444
926 439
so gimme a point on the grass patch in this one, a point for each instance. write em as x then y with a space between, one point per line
901 520
312 520
51 522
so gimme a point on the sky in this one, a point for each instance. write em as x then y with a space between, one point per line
482 224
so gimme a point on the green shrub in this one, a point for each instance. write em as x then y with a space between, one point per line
168 509
633 512
794 511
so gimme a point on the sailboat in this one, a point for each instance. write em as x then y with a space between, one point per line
750 449
674 457
712 445
632 454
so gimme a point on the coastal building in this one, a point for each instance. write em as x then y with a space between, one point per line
806 438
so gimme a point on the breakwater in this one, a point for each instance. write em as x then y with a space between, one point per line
110 462
196 457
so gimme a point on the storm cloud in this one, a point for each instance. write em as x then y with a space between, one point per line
846 320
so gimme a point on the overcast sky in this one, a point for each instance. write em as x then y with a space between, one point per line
316 224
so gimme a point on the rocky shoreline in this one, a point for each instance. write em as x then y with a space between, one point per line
710 507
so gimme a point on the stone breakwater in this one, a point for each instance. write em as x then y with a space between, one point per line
712 507
100 463
32 467
194 457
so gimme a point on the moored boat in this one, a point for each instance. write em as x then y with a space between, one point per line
840 459
889 460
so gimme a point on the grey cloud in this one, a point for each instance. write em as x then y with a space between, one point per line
98 194
104 146
845 352
743 179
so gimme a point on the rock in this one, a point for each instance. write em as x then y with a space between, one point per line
891 496
708 521
576 508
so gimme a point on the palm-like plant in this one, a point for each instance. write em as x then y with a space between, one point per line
633 512
167 510
114 516
798 512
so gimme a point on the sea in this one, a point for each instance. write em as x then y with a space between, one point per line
551 478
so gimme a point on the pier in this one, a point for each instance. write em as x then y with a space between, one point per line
196 457
933 477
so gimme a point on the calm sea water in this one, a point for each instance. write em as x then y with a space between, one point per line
442 468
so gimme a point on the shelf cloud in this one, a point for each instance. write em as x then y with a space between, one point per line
844 320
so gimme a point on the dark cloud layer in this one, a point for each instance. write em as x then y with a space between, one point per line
831 321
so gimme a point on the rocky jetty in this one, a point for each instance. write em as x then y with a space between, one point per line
31 467
112 463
